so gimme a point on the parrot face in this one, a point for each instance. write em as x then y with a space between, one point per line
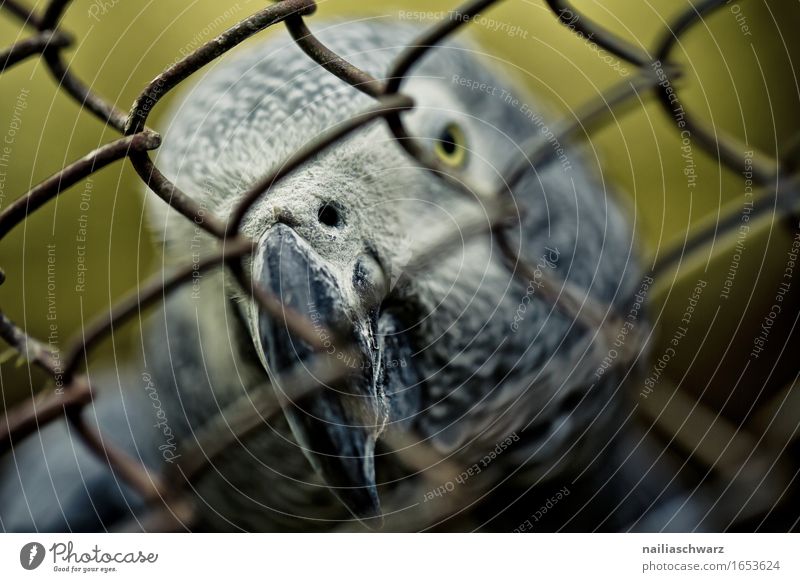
335 239
337 428
334 250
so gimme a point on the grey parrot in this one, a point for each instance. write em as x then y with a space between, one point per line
460 357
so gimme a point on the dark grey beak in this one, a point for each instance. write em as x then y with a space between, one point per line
337 427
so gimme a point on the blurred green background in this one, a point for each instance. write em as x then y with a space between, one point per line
741 80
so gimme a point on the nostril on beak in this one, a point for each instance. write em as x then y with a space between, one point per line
284 216
330 215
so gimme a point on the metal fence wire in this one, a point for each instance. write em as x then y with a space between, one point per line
169 494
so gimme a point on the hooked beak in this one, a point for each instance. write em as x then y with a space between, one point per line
336 426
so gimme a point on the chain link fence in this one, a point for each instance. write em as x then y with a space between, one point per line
169 494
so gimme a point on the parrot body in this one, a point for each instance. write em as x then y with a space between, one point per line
462 357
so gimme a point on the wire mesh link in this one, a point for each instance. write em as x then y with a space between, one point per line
167 493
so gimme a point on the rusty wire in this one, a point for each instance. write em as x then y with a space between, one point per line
49 41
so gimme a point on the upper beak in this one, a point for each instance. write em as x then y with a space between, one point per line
337 426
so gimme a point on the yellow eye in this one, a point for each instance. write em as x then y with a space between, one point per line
450 146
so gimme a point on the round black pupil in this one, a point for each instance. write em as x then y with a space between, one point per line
448 142
328 215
